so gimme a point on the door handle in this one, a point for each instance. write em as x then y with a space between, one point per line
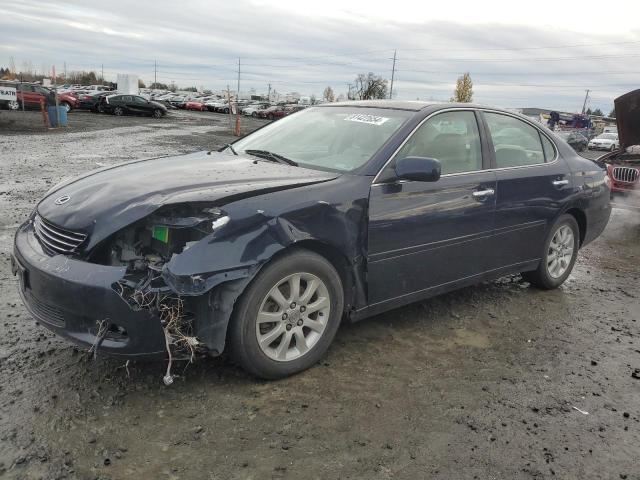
483 193
559 183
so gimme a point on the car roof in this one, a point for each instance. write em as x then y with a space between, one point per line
412 105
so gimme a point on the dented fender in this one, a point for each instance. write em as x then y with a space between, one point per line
220 266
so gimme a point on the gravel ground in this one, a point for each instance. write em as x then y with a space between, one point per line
497 381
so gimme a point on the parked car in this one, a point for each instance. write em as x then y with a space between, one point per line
605 141
271 113
178 101
577 141
92 100
134 104
252 110
33 94
338 213
195 105
623 165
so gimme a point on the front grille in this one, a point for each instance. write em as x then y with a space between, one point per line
56 240
44 312
625 174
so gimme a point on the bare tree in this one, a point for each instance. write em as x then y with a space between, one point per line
370 86
313 100
464 89
328 95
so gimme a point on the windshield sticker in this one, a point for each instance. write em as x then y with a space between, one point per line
364 118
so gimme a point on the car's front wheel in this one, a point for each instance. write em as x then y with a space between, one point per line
559 254
286 319
13 105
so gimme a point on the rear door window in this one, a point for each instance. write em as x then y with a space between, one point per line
515 143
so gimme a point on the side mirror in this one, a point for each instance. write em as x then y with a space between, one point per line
419 169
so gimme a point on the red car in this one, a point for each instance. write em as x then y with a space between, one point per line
272 113
623 165
195 105
32 94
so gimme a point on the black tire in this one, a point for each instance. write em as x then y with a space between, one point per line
613 148
226 110
541 277
157 113
270 116
243 340
118 111
254 114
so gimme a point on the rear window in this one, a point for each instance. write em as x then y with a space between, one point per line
515 142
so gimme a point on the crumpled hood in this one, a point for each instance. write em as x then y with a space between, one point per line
104 201
628 118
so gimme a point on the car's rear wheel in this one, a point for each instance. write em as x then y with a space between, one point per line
118 111
270 116
559 254
157 113
254 114
286 319
13 105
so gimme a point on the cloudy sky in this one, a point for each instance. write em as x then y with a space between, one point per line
542 53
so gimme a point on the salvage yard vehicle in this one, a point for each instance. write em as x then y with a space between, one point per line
31 95
195 105
252 110
605 141
623 165
341 211
271 113
577 141
92 100
134 104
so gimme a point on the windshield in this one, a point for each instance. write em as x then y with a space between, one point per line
333 138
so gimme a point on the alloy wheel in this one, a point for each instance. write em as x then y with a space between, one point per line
13 105
118 111
293 317
560 251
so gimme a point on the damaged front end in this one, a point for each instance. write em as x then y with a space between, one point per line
182 303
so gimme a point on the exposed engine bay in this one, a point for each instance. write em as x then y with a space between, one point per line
149 243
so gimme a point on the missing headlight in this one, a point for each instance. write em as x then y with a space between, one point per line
151 242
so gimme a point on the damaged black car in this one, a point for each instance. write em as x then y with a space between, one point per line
332 214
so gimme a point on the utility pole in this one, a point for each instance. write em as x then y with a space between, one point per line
65 72
349 91
586 97
102 72
269 94
155 72
237 130
393 72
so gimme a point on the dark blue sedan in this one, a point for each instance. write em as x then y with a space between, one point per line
332 214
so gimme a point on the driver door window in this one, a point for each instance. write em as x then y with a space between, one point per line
450 137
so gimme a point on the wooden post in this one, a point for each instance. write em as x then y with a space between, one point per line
45 116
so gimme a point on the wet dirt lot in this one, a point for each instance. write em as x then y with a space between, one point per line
497 381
